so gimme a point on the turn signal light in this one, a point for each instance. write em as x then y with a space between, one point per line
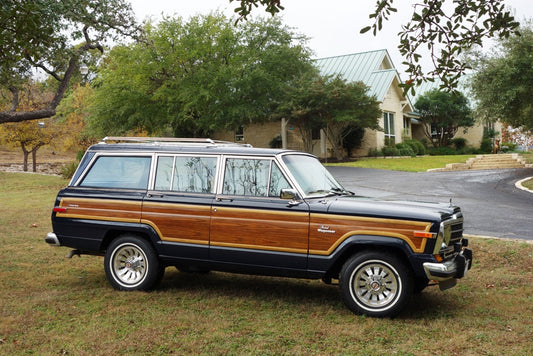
423 234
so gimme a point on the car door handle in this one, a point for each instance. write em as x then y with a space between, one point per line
224 199
155 195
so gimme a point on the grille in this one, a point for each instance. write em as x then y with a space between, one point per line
452 233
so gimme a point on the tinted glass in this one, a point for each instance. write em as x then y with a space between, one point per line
311 175
186 174
254 177
118 172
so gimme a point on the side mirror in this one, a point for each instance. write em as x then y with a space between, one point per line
288 194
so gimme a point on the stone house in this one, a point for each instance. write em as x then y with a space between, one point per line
376 70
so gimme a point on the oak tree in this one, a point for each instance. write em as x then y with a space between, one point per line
197 76
50 38
503 82
443 113
439 29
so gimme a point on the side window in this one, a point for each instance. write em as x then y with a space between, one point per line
186 174
252 177
277 182
118 172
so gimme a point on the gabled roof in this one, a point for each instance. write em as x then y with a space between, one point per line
373 68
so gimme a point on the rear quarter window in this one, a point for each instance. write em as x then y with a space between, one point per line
118 172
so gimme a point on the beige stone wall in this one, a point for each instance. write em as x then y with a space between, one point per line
474 134
257 135
260 135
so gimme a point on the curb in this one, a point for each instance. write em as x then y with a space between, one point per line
498 238
520 186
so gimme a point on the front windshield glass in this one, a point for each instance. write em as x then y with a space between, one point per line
312 176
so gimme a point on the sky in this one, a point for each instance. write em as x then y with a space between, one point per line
333 26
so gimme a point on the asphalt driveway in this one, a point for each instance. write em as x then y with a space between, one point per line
491 203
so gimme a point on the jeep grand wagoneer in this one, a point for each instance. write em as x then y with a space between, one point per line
200 205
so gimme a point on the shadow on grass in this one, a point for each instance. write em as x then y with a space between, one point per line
313 296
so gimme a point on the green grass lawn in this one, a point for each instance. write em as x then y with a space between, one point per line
52 305
528 184
415 164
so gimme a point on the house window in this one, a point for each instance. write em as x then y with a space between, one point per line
239 134
388 125
407 126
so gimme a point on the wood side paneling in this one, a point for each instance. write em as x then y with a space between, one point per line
101 209
178 222
326 232
261 229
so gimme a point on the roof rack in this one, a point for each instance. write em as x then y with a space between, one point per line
171 140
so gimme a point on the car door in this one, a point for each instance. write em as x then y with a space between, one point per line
250 225
178 206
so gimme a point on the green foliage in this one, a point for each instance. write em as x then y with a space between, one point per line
503 82
509 147
53 37
486 145
353 137
197 76
390 151
314 102
443 112
374 152
440 30
441 151
459 143
417 146
405 149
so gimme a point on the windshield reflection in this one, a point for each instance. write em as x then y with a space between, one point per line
314 179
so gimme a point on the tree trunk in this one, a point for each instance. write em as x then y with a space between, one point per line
34 158
26 154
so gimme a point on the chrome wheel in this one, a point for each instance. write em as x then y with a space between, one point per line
129 265
375 284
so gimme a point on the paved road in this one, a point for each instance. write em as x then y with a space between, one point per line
491 203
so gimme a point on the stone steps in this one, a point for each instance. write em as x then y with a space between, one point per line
496 161
490 161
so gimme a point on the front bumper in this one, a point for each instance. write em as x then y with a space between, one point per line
449 271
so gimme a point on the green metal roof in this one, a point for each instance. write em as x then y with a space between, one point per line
373 68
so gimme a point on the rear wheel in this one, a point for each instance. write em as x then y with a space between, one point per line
375 284
131 263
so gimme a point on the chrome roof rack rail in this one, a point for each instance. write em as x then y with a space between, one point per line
170 140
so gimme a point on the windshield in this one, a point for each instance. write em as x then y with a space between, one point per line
312 176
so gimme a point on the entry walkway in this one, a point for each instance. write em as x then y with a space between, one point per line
489 161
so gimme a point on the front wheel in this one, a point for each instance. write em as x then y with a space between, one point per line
375 284
131 263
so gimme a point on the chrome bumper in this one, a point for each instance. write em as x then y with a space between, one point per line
446 271
52 239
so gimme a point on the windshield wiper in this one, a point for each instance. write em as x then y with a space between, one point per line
339 191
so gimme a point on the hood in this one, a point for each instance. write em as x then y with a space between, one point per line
393 209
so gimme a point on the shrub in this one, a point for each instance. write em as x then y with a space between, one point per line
509 147
441 151
486 145
390 151
67 171
374 152
459 143
417 146
407 152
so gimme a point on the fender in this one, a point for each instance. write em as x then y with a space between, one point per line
95 235
332 263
